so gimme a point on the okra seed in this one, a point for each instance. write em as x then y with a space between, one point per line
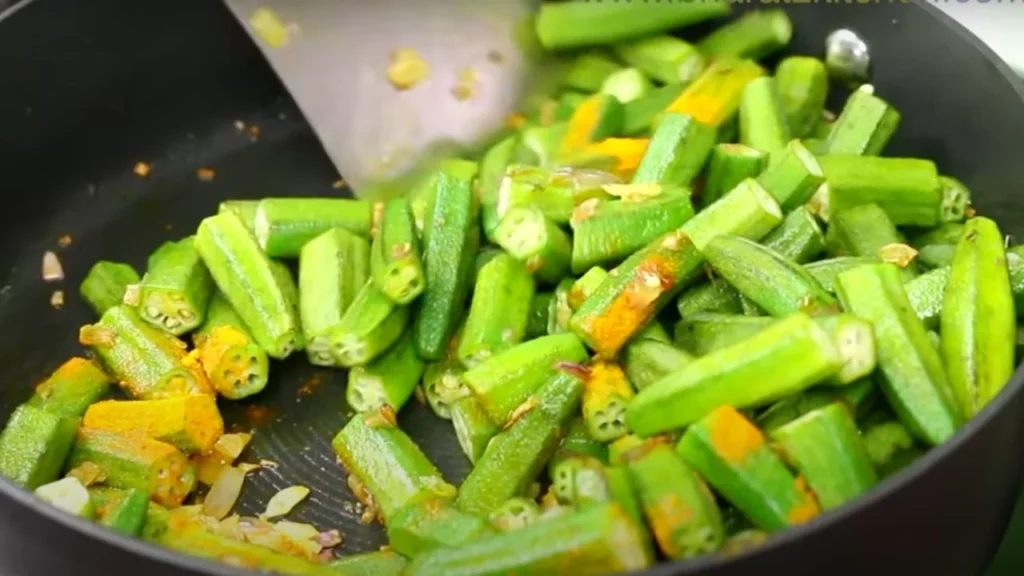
153 312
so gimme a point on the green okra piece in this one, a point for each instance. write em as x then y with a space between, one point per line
133 461
105 284
389 379
798 238
608 232
284 225
935 248
913 378
197 541
492 173
734 457
855 340
122 511
433 523
578 442
68 495
245 276
857 397
598 117
776 284
889 447
802 83
744 375
754 35
289 287
559 310
826 271
729 165
473 427
148 363
397 268
529 236
190 423
866 230
71 388
389 469
420 198
665 58
541 145
504 381
555 192
579 23
647 361
157 518
515 456
588 71
596 540
864 126
706 332
514 514
907 189
978 320
245 209
333 268
678 149
826 448
762 123
606 394
372 323
639 115
176 289
626 85
568 102
793 176
34 445
378 563
450 244
537 321
714 97
442 386
583 482
499 311
716 295
586 285
677 504
485 255
639 287
235 365
956 199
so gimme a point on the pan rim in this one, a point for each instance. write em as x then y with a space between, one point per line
898 482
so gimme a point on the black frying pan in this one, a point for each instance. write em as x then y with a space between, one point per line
88 88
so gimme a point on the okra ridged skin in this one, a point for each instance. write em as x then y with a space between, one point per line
533 238
614 229
799 238
679 508
716 295
588 71
647 361
802 82
864 126
283 225
826 448
598 117
492 173
537 321
596 540
762 124
380 563
72 388
197 541
245 276
388 464
190 423
499 311
866 230
34 445
506 380
104 285
585 286
913 377
289 288
858 398
389 380
978 321
714 96
706 332
745 375
667 59
935 247
370 326
776 284
176 289
606 394
793 176
907 189
473 427
245 209
123 511
889 446
577 442
235 365
827 271
640 114
148 363
927 291
679 147
452 235
734 457
333 268
515 456
395 258
433 523
754 35
559 310
728 165
135 461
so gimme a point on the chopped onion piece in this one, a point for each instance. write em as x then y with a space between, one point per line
232 445
57 299
87 473
898 254
224 493
297 530
52 269
96 335
209 467
248 467
328 539
284 501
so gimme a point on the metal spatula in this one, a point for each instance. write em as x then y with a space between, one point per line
333 56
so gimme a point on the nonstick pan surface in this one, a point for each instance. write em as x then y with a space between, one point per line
90 88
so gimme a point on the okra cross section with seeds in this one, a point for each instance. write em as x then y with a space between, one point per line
175 291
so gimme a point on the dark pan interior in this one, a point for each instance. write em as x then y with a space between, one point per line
166 85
